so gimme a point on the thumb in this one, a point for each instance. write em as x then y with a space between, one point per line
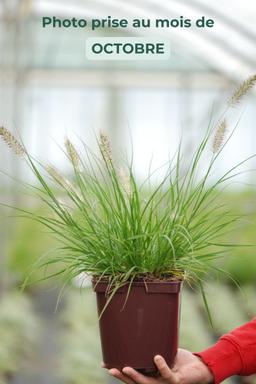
164 370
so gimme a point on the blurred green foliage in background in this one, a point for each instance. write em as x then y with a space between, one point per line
29 244
240 263
18 331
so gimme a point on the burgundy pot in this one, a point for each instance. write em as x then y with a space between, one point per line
146 326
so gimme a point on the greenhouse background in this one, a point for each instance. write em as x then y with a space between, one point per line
48 90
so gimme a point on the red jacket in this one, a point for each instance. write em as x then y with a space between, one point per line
233 354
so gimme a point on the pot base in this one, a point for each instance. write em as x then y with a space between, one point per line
152 372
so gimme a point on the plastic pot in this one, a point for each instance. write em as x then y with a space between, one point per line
147 325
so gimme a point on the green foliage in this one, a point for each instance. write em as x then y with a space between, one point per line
241 263
247 300
194 333
18 329
28 243
225 307
81 354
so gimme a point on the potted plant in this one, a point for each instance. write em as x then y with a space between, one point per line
138 242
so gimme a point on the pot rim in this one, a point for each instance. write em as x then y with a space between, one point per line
142 279
171 286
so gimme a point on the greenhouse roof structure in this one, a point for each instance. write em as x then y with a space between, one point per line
212 54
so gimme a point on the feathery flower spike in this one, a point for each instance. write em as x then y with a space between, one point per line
242 90
72 152
57 176
105 148
125 181
12 142
219 136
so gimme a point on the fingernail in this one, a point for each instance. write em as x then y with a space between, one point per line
111 372
158 358
126 370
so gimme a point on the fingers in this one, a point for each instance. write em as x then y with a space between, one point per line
130 376
137 377
120 376
164 370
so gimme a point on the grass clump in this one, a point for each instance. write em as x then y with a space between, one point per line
110 225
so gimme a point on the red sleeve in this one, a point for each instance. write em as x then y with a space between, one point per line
233 354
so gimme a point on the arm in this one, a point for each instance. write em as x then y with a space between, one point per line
233 354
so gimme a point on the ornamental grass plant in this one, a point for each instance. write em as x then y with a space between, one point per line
111 226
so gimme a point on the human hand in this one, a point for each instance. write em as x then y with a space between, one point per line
187 369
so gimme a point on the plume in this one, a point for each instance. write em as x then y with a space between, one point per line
125 181
242 90
219 136
12 142
105 148
58 177
72 152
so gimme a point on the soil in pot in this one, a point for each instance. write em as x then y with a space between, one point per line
146 326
